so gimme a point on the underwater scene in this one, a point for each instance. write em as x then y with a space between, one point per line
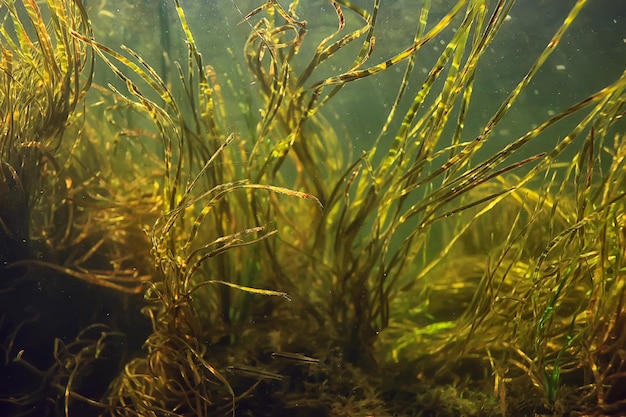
313 208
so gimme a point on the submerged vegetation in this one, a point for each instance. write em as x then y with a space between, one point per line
440 272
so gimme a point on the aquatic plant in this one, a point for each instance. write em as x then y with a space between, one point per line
277 227
70 221
41 87
53 179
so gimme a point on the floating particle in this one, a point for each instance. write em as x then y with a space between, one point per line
560 67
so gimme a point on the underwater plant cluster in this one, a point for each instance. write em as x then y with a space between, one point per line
352 208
